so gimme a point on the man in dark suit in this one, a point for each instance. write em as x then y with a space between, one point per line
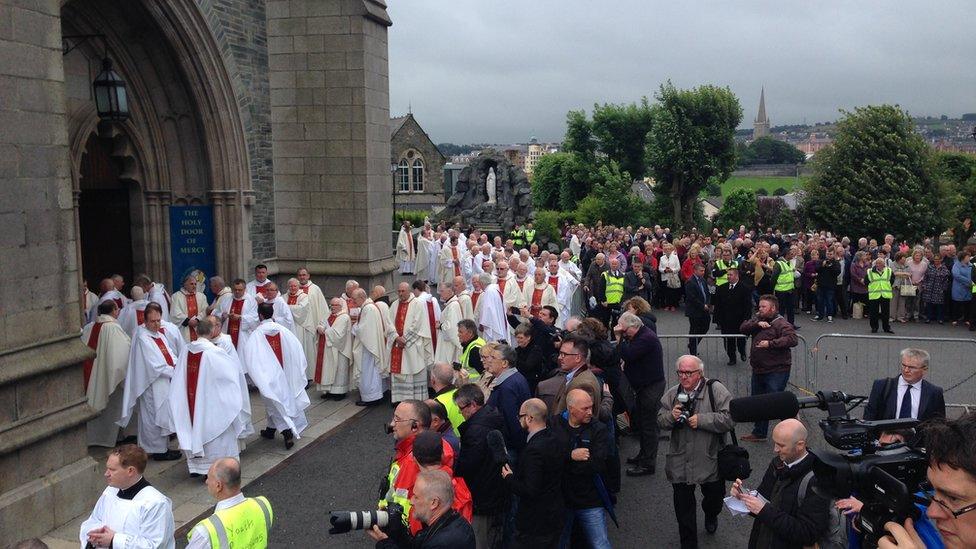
697 307
888 400
537 481
637 283
733 306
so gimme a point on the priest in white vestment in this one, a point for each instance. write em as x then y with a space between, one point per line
239 315
104 373
88 301
522 277
151 363
303 327
107 291
406 252
565 286
130 512
432 309
371 353
275 361
255 288
411 352
492 319
426 257
221 291
454 261
333 352
318 309
133 315
538 293
566 264
347 296
511 294
188 306
206 402
282 312
463 297
448 344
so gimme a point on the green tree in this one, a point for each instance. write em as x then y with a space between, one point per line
612 200
769 150
691 140
877 177
579 138
560 180
739 208
713 188
958 171
780 191
621 131
761 191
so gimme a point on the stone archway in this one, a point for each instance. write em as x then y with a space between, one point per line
183 143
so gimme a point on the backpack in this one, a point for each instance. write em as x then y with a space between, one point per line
733 460
836 535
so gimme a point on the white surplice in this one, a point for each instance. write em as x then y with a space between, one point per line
408 365
180 311
371 353
282 384
448 344
158 294
334 354
425 254
104 382
253 287
467 309
282 312
492 320
147 384
143 522
406 252
245 324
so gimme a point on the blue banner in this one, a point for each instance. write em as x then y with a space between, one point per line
191 236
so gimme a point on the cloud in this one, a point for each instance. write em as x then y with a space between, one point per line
504 70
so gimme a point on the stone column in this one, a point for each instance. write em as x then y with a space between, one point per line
46 475
331 139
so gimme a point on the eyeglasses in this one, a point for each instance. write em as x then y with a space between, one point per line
911 368
929 496
398 420
562 354
465 406
686 373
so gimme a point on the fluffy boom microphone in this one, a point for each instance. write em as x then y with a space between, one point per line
496 443
780 405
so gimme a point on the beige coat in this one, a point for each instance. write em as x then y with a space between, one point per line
692 455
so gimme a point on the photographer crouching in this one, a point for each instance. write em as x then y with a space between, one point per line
696 411
433 494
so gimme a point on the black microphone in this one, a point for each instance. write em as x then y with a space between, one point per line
496 443
781 405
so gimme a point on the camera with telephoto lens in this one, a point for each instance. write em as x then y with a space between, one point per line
687 404
884 477
346 521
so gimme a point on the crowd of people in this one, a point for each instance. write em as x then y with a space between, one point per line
513 371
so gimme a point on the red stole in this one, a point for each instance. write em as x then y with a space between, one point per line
537 301
274 340
140 317
161 343
192 375
191 312
93 345
320 353
554 282
501 287
396 356
293 299
457 266
521 284
234 326
305 289
474 299
409 243
118 302
433 324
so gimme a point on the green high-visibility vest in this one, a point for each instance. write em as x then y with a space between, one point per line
466 357
529 236
244 525
784 282
615 287
453 412
879 284
518 237
724 279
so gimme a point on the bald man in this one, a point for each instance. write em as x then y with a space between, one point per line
783 520
250 520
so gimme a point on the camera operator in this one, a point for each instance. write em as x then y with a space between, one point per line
781 520
640 350
432 497
952 474
697 414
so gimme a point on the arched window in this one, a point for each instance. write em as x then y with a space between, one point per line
403 176
418 176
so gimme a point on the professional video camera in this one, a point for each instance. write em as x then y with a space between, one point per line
885 478
345 521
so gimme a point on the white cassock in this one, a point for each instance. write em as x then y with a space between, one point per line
275 360
425 252
226 344
318 309
113 295
477 266
226 294
449 270
172 334
104 375
302 326
239 329
131 316
371 355
434 274
565 286
333 354
574 245
151 363
492 319
253 287
511 293
572 269
143 522
538 296
432 312
206 403
408 364
467 309
406 253
282 312
88 302
186 306
448 344
157 294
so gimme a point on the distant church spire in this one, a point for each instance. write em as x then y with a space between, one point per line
760 127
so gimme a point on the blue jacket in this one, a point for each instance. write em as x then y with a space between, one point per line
962 281
508 397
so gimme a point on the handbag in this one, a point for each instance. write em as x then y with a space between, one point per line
908 290
733 460
857 310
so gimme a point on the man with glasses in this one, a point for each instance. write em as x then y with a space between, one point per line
643 364
574 373
908 395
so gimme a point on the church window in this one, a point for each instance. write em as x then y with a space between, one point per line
403 176
418 176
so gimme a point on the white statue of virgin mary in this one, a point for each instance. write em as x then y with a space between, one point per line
490 185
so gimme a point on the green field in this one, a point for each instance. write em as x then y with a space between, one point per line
755 183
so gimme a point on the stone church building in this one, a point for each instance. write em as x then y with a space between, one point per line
418 166
257 131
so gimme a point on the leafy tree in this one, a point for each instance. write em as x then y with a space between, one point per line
589 211
622 132
877 177
958 171
579 137
739 208
713 188
613 189
780 191
547 223
769 150
560 180
761 191
691 140
773 212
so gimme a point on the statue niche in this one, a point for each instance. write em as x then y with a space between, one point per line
490 193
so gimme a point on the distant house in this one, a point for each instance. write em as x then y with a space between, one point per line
711 206
418 167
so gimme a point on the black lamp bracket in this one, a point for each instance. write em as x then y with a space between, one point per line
71 42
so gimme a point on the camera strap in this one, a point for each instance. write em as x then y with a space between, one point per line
711 404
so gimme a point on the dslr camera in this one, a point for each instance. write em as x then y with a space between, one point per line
346 521
687 404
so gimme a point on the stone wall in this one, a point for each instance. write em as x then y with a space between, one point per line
411 136
331 143
46 476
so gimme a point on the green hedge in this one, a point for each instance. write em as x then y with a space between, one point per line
415 217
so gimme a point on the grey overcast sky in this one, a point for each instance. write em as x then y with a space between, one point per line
504 70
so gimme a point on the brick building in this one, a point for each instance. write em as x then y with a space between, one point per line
270 118
418 166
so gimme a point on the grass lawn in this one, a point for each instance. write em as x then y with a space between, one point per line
755 183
